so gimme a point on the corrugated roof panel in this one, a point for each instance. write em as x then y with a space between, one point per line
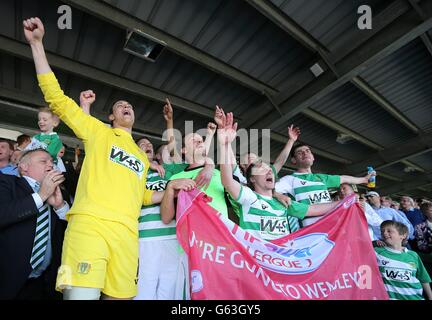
7 22
351 108
405 79
424 161
324 138
8 71
327 20
219 29
396 170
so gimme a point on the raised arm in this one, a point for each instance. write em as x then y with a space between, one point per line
211 130
220 118
169 118
356 180
293 134
66 108
226 134
87 98
34 32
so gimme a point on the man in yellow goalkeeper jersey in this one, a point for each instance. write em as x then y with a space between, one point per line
100 250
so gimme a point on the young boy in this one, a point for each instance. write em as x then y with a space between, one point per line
403 273
48 139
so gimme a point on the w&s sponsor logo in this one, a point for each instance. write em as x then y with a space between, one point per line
320 197
273 225
159 185
399 275
123 158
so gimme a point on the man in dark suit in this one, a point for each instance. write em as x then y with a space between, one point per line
31 207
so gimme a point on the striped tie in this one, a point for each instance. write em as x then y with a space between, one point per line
41 237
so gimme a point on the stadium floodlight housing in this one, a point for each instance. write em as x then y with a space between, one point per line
143 45
343 138
316 69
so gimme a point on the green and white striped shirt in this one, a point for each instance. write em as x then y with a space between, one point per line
402 272
308 188
265 217
150 226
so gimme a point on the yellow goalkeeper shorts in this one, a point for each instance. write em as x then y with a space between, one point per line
100 254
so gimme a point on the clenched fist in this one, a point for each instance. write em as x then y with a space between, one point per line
87 97
33 30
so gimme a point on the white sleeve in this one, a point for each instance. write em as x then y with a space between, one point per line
372 217
237 173
285 185
246 196
35 144
374 222
37 199
61 212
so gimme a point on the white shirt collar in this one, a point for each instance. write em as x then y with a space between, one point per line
32 182
396 251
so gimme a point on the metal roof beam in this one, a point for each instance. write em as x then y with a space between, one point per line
392 37
325 154
374 95
426 179
279 18
425 36
330 123
381 159
123 20
22 50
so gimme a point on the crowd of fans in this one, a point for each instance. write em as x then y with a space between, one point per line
127 190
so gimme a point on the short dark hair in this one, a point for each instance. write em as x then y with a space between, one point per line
299 145
22 138
9 142
140 138
399 226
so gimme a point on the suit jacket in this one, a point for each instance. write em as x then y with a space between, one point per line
18 214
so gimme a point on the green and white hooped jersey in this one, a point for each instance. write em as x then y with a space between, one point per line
150 226
266 218
402 272
308 188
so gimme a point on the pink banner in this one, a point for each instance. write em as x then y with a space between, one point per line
331 259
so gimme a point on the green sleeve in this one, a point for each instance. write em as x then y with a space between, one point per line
331 181
297 209
234 204
173 168
274 172
54 147
422 274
